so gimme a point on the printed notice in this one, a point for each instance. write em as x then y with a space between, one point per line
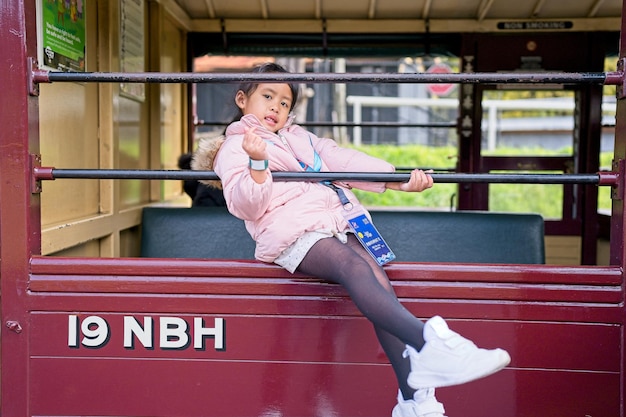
62 34
132 56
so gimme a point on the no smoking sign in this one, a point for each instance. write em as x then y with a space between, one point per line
443 89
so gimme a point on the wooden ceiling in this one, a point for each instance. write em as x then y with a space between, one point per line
437 16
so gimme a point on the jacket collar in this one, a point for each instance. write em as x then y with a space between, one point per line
250 120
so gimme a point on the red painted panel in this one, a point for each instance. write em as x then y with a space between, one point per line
232 304
20 225
295 346
554 274
572 346
290 287
246 338
204 388
300 366
531 393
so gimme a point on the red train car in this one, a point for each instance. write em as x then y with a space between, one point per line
101 318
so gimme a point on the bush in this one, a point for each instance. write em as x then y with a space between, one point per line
523 198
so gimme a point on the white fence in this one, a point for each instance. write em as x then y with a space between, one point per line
491 107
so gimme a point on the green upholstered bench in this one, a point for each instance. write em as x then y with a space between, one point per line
199 232
463 236
414 236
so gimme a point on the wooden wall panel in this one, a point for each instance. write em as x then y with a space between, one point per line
69 139
173 140
95 125
563 250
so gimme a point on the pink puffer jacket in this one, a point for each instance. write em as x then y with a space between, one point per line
277 213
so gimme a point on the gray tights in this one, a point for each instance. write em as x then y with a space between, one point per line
351 266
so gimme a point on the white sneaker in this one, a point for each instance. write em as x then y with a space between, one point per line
448 358
423 404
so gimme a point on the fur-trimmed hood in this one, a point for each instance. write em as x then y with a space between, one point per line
204 156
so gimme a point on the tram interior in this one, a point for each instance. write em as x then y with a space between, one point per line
76 288
148 126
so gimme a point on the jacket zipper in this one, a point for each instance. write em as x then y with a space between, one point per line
284 141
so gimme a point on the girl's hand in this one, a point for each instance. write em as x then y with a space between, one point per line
255 147
418 182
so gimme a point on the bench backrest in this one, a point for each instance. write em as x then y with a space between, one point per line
414 236
468 237
198 232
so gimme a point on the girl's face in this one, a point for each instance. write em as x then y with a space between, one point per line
270 103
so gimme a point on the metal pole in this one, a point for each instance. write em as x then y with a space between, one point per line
597 179
351 124
40 76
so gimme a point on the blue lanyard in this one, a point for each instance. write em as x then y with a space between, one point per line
317 167
342 195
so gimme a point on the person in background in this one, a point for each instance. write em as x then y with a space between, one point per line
202 195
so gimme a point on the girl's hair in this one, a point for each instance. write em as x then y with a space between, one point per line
269 67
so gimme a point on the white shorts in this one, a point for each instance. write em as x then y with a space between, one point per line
291 257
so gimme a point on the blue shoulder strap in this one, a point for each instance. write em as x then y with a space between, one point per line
317 167
317 161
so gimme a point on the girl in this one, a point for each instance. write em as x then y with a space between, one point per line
304 226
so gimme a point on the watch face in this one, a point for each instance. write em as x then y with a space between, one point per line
259 165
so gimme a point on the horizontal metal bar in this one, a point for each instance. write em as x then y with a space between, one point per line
52 173
40 76
352 124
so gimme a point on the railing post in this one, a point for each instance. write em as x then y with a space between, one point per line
20 234
492 127
356 115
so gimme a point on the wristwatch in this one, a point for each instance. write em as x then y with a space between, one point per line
259 165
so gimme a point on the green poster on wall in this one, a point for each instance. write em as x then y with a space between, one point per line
62 41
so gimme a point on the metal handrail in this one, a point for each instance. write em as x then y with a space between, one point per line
608 78
349 124
600 178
